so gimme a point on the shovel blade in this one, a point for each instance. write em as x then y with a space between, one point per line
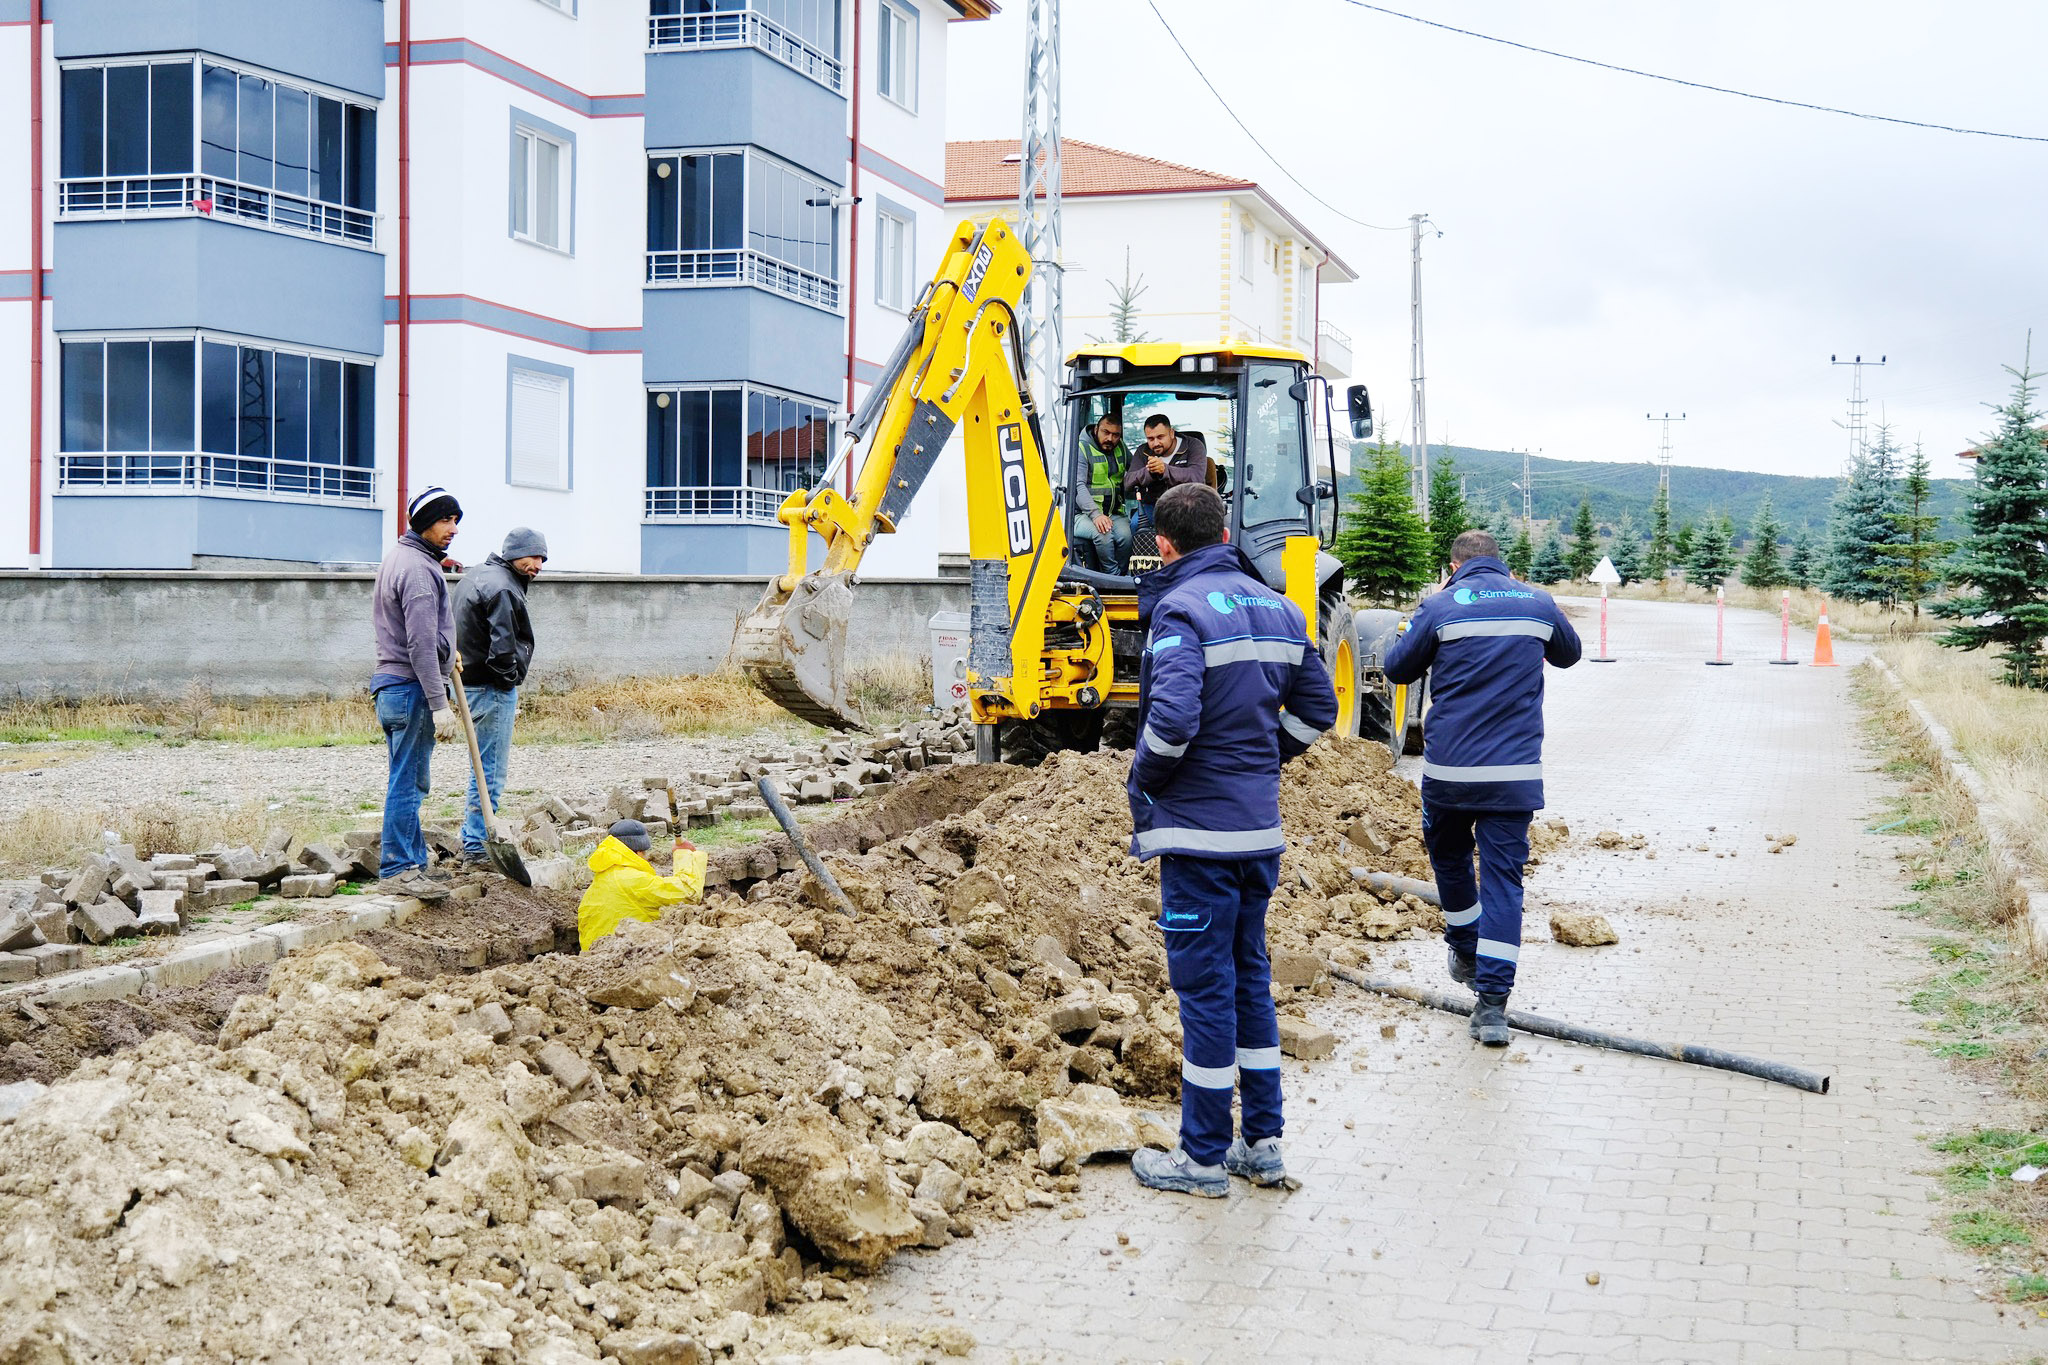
506 859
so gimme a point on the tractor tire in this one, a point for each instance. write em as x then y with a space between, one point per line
1026 743
1337 641
1120 727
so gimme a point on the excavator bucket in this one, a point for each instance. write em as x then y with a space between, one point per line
793 646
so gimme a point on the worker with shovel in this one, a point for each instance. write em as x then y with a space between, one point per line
1483 639
1231 687
495 634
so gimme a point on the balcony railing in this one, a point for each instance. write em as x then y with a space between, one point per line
1333 349
743 28
714 504
701 267
236 473
188 195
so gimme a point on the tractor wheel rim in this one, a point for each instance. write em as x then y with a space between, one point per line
1345 678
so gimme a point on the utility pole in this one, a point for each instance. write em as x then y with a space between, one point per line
1038 215
1856 405
1523 486
1664 450
1418 410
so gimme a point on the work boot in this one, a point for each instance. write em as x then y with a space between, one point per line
414 882
1464 966
1175 1170
1259 1163
1490 1020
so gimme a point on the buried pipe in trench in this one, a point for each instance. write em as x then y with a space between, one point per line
1557 1028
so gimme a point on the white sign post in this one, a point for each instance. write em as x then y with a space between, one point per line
1606 576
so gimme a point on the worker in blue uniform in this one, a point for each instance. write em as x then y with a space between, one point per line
1483 640
1231 687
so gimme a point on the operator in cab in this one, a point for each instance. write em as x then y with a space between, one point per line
1167 460
1102 533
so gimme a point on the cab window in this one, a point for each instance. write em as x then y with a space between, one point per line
1274 460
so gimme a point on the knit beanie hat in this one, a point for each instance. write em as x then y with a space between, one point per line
632 834
522 541
429 507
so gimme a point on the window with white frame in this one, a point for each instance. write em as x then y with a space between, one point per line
1246 240
537 411
732 452
734 217
896 56
895 256
541 181
203 410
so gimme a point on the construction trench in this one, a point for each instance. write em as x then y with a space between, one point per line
689 1143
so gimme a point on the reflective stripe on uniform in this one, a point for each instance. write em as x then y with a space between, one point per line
1498 772
1460 918
1493 947
1306 733
1253 650
1211 840
1160 746
1512 625
1258 1058
1208 1077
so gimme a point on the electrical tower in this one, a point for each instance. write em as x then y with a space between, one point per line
1526 502
1418 409
1038 214
1664 450
1856 405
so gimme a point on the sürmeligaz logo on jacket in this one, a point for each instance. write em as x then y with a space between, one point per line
1465 597
1226 603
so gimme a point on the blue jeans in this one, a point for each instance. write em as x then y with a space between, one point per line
408 724
1483 915
492 709
1214 914
1105 552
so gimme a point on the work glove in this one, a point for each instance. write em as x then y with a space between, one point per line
444 723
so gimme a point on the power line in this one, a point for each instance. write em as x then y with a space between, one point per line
1246 130
1671 80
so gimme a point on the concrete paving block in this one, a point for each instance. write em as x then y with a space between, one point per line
16 967
320 858
172 862
114 982
52 958
369 915
103 921
290 936
220 893
309 886
85 887
190 966
18 929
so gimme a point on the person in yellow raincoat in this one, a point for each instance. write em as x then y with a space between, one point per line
626 886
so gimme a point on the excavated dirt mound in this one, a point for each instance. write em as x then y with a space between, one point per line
639 1152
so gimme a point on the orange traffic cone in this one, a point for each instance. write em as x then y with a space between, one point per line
1823 641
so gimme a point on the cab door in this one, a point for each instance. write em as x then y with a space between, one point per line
1272 495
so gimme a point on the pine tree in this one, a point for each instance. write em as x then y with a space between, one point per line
1713 552
1585 551
1912 564
1521 555
1549 565
1761 567
2004 559
1502 525
1799 559
1627 553
1123 307
1681 545
1447 512
1657 556
1385 547
1860 524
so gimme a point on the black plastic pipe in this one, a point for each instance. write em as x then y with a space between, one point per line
803 848
1575 1033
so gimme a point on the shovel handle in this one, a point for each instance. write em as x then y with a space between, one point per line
476 757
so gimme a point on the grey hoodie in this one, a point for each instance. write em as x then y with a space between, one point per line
414 623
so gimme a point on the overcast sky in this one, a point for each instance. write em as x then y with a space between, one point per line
1613 245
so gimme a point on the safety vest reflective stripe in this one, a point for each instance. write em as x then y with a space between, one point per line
1258 1058
1513 625
1460 918
1211 840
1499 772
1252 649
1493 947
1307 734
1160 746
1208 1077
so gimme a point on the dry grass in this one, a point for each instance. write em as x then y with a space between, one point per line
1857 620
2003 731
49 836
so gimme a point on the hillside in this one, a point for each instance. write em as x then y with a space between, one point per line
1616 488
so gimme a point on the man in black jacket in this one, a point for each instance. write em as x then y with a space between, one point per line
495 636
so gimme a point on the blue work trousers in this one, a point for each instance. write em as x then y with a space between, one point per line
408 724
1482 915
491 709
1213 912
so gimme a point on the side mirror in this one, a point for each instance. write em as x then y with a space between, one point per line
1359 403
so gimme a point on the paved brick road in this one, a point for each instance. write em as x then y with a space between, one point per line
1456 1201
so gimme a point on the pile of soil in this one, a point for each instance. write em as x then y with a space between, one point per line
638 1152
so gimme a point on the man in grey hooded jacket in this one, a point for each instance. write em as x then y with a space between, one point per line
414 632
495 635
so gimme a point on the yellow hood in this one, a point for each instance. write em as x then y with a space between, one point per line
610 854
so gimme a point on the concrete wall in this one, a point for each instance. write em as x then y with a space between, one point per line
166 531
339 42
157 634
735 97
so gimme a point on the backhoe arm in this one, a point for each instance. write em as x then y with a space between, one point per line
957 366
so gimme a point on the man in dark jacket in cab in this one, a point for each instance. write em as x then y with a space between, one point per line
1167 460
495 636
1483 640
1231 687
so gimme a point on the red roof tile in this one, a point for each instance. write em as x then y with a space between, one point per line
978 171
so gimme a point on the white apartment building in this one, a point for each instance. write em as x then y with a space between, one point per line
608 268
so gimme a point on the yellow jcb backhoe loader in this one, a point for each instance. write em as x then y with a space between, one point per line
1054 648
